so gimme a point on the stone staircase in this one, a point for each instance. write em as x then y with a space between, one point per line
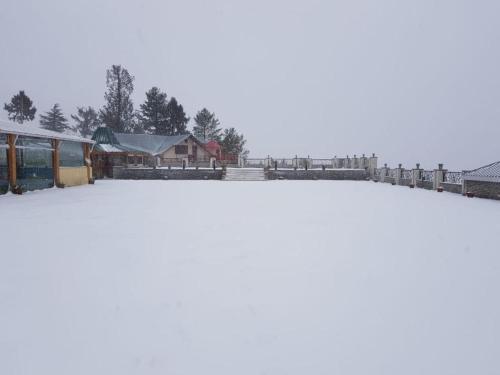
245 174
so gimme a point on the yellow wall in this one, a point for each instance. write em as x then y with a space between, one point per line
73 176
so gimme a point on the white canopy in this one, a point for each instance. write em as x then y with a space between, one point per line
30 130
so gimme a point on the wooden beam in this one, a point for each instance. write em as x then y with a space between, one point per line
11 156
55 162
88 161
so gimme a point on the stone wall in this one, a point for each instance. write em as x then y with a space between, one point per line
404 182
483 189
328 174
121 173
425 184
389 180
452 188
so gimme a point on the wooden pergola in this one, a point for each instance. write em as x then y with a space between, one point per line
14 131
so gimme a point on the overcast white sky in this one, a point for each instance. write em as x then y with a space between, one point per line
413 81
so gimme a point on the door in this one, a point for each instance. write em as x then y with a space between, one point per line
195 153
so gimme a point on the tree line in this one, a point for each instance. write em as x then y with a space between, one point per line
158 115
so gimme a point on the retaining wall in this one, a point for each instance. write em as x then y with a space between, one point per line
328 174
452 188
425 184
121 173
404 182
483 189
389 180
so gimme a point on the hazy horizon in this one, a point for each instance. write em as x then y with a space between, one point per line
412 82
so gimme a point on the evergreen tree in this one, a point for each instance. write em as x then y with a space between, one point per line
136 126
20 108
54 120
153 113
118 112
206 126
87 121
177 118
233 143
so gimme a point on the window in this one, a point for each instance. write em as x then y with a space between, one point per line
34 163
34 143
71 154
181 149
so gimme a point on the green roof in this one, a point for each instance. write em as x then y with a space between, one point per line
104 135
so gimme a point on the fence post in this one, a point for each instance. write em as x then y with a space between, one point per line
383 173
416 175
439 176
362 162
399 172
372 165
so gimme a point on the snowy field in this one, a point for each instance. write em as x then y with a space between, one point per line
184 277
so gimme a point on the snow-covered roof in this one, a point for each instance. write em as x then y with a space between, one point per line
152 144
30 130
488 173
109 148
108 141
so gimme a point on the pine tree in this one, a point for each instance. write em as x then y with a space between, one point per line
20 108
233 143
206 126
54 120
177 118
87 121
118 112
153 113
136 126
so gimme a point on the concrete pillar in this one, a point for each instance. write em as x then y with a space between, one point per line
438 176
363 162
372 165
335 162
399 174
384 172
416 175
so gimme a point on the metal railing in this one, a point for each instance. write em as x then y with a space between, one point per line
407 174
256 162
427 176
318 163
453 177
284 163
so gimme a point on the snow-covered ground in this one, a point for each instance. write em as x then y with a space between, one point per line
284 277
